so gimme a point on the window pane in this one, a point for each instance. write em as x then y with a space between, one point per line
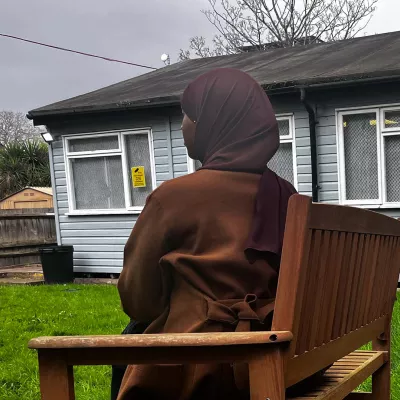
197 165
138 155
392 119
392 153
361 157
284 127
98 183
282 162
93 144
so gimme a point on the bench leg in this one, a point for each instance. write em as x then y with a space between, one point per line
381 383
267 380
381 378
56 377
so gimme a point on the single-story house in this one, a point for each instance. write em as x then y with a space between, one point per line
338 106
28 197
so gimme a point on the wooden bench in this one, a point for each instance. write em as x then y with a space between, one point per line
336 291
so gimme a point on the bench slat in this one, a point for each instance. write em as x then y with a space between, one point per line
344 219
347 380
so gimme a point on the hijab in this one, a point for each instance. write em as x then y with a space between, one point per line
236 130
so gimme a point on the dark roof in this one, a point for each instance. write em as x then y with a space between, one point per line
364 58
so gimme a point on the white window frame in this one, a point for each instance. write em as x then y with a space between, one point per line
191 164
381 133
383 111
121 151
386 132
291 138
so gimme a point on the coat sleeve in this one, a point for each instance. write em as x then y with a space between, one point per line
144 286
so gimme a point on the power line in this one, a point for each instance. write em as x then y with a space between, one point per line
75 51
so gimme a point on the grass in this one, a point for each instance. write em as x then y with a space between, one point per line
27 312
31 311
395 355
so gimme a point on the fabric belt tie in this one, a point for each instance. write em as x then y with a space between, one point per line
240 313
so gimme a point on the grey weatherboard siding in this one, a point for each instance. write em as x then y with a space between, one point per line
327 103
99 240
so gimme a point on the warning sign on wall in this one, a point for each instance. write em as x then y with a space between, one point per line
138 177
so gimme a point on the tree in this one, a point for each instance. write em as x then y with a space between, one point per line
15 126
261 24
23 163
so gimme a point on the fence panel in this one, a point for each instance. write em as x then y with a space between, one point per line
22 232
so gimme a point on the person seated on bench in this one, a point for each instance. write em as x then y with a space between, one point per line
204 253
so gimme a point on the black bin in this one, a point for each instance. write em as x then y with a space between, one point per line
57 264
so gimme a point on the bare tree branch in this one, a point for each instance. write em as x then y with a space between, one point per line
14 126
279 23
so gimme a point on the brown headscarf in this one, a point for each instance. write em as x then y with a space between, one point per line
236 130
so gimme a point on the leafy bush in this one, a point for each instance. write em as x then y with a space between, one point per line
23 163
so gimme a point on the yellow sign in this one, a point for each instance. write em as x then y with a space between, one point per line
372 122
138 177
387 122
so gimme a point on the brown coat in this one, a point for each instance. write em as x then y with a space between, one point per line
185 271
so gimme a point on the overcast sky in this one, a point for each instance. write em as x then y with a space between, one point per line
133 30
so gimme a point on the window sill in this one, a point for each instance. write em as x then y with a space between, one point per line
374 206
103 212
396 205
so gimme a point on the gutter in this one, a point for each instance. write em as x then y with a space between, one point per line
328 83
313 144
36 115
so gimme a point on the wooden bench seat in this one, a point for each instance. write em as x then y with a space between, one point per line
346 375
337 286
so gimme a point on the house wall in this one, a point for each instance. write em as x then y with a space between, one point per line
99 240
326 104
290 104
179 154
287 104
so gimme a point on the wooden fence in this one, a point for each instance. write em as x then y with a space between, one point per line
27 211
22 232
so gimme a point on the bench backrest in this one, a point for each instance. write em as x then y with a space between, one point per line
337 282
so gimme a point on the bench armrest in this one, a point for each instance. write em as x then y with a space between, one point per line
161 340
185 348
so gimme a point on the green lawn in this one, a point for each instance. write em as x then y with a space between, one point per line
31 311
27 312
